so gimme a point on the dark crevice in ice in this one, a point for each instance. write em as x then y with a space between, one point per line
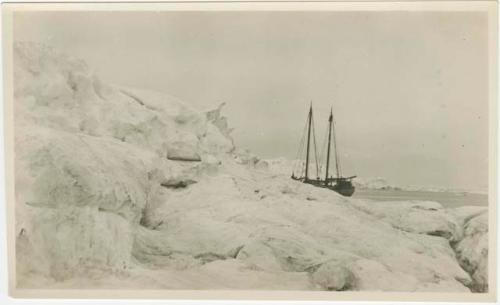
136 99
209 257
176 184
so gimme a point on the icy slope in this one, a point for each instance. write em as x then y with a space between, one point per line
472 248
123 188
87 157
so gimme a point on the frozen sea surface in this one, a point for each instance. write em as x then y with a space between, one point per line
447 199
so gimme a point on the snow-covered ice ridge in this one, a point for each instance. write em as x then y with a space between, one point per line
123 188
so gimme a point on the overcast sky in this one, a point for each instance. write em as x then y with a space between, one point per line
409 89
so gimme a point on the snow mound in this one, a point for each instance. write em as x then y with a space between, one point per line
106 199
425 217
472 248
89 159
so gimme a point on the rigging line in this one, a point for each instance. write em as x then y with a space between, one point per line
322 151
301 165
313 139
304 131
296 163
297 156
302 148
340 164
315 150
337 164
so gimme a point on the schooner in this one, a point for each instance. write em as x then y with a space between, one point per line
339 184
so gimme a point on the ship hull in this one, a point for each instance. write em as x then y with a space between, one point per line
344 188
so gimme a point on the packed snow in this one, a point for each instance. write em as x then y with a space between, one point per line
124 188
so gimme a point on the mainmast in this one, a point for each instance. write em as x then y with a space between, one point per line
335 145
309 118
330 120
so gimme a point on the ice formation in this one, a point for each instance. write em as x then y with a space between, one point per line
124 188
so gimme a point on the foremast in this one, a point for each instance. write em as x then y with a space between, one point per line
330 121
309 122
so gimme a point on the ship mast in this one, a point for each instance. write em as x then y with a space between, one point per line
335 146
309 118
330 120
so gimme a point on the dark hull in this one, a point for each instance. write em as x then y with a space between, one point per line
343 188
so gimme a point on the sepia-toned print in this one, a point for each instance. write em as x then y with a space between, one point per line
310 153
